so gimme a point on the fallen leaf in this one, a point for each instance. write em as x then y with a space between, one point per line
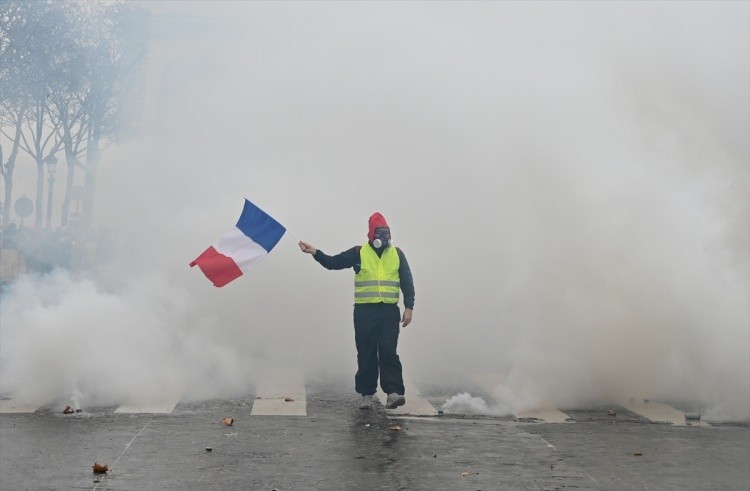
100 468
227 421
288 399
395 428
68 410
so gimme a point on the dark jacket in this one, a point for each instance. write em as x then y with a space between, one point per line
350 259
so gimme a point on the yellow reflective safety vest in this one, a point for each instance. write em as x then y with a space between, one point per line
377 280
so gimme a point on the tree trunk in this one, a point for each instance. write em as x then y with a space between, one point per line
39 191
10 166
89 184
8 198
71 161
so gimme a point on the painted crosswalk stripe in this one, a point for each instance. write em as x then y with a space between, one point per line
12 406
280 393
416 405
659 412
489 382
161 405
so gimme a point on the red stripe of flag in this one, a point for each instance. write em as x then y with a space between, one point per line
217 267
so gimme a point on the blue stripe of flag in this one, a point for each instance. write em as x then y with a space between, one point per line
260 227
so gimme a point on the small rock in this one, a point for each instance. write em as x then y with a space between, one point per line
209 449
227 421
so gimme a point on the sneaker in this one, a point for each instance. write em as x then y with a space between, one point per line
366 402
395 400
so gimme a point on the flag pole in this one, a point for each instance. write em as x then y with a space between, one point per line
292 234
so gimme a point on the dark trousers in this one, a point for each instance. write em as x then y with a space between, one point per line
376 328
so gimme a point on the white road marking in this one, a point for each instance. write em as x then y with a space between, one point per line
162 405
416 405
589 476
488 382
280 393
11 406
659 413
548 444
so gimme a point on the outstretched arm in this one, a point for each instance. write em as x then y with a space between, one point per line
344 260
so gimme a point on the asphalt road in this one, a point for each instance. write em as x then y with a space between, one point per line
336 445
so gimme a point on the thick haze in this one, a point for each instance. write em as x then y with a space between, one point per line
569 182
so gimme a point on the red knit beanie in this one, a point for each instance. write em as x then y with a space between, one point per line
376 221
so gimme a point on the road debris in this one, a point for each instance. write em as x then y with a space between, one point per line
288 399
68 410
395 428
227 421
611 412
100 468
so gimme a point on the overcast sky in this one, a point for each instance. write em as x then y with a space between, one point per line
569 182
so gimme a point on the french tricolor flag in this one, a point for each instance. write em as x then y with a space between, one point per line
255 234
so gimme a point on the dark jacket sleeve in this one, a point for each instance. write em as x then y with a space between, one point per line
406 280
344 260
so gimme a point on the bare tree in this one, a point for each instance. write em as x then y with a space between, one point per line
68 73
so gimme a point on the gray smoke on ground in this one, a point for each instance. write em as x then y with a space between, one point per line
569 182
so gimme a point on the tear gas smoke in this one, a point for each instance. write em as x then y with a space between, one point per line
569 182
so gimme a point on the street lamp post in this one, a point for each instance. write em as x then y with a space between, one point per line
51 162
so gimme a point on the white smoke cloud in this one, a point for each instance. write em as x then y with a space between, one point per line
569 182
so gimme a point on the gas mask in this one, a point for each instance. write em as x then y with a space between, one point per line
382 237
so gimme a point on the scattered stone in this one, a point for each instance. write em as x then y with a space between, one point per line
68 410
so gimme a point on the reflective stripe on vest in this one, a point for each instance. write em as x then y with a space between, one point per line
377 280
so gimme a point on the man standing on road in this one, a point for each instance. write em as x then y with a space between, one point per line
380 271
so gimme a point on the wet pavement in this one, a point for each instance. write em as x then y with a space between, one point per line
336 445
